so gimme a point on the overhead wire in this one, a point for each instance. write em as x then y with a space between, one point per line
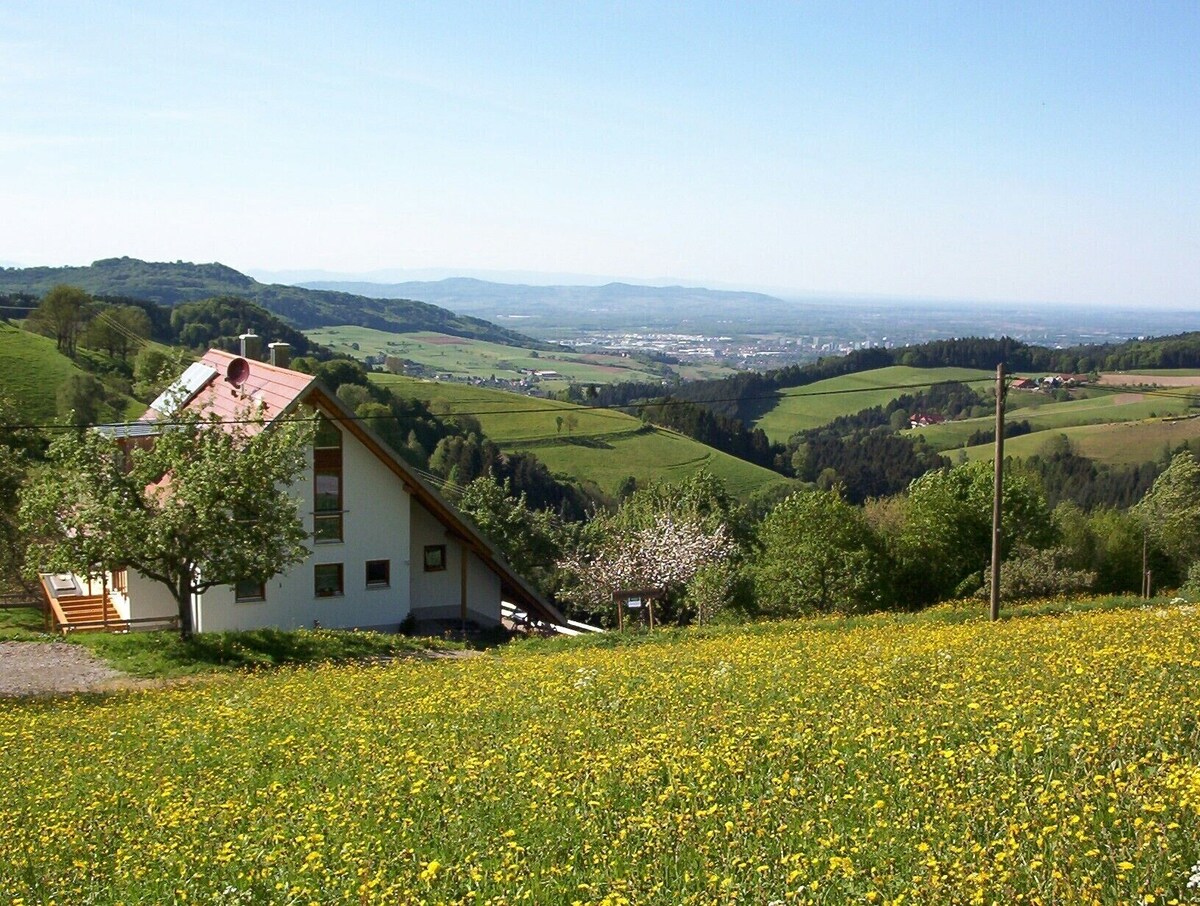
1179 393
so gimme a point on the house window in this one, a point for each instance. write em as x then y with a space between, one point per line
249 590
327 580
327 482
120 581
379 573
435 557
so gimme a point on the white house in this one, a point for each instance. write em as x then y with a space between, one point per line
384 544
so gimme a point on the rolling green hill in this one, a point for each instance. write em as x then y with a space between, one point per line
1048 415
173 283
32 369
1121 443
600 445
817 404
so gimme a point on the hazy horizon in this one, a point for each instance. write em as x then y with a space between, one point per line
1042 153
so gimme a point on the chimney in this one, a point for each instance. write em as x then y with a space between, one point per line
251 347
281 354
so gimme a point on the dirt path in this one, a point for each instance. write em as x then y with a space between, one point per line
53 668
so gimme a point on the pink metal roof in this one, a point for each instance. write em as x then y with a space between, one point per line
276 389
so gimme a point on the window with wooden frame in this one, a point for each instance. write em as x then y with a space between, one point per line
327 580
327 482
248 590
379 573
120 581
435 558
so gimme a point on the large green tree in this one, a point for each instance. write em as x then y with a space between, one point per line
531 540
945 543
818 554
200 506
61 314
1170 512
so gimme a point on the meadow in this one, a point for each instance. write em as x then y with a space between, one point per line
889 760
1111 444
33 371
601 445
811 406
464 358
1045 414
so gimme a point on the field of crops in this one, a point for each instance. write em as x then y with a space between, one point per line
817 404
1039 760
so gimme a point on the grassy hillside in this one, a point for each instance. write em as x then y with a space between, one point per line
1116 444
32 369
463 357
1048 415
173 283
604 446
817 404
890 760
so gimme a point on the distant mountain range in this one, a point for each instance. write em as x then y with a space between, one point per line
613 305
172 283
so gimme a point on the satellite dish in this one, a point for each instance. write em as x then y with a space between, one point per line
237 372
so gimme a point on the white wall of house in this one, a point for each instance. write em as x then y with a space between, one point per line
437 594
145 599
375 527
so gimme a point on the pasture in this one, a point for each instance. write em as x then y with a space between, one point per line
1049 415
885 760
600 445
800 408
33 370
1113 444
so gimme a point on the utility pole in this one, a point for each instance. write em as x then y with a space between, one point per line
998 492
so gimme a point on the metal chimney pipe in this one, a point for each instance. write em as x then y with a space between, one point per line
281 354
251 346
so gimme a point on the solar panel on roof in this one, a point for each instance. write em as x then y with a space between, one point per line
186 386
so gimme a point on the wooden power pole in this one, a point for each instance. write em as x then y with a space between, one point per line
998 492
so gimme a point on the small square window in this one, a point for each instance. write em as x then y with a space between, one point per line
249 590
327 529
327 580
379 573
435 557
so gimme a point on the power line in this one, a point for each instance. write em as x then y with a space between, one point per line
559 407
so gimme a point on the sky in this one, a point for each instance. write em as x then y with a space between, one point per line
974 151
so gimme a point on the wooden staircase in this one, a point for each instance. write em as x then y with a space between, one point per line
84 613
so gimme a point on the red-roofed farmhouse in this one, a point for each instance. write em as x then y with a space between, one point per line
385 546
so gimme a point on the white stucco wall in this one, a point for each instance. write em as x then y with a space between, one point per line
375 527
438 594
145 599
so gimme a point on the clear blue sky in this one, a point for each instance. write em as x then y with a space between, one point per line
1046 151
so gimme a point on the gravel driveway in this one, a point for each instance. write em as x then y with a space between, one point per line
48 668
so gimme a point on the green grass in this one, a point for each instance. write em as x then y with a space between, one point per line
461 357
1113 444
33 370
924 760
165 654
605 446
800 408
22 624
1048 415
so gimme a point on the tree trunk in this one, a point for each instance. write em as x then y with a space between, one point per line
183 597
